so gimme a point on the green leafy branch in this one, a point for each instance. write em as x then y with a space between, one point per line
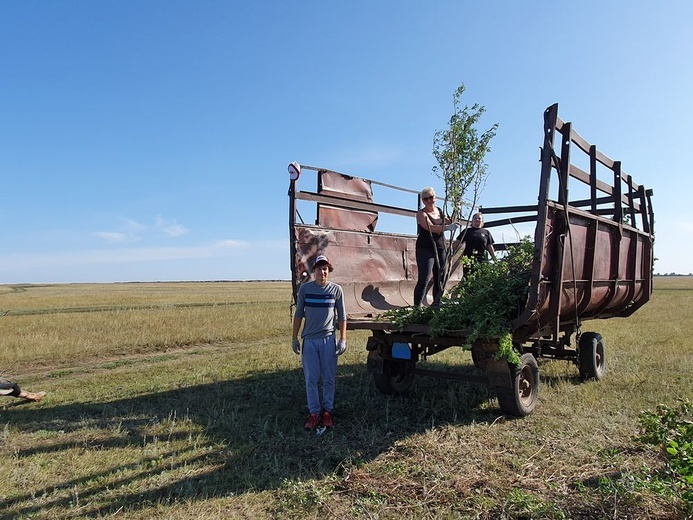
671 429
460 151
482 305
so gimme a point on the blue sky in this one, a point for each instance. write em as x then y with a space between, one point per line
147 141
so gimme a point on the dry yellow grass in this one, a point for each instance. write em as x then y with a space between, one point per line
59 297
45 325
149 421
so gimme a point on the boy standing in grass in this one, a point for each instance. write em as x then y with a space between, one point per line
318 301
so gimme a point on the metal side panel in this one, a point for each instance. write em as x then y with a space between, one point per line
377 271
609 282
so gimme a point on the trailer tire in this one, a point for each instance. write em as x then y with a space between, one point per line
396 377
522 398
591 356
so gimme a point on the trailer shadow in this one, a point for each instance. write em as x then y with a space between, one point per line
243 436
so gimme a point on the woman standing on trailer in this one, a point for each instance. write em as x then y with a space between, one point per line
431 223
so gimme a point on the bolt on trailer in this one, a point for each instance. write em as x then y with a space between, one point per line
593 259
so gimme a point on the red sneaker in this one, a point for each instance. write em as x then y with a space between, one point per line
327 419
312 422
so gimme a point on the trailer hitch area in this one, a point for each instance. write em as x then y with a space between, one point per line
498 373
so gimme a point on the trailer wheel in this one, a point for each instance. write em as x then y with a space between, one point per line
396 378
522 398
591 356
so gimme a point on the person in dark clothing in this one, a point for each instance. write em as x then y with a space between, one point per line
430 247
12 389
475 241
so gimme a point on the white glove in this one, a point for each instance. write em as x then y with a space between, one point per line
452 227
296 346
341 347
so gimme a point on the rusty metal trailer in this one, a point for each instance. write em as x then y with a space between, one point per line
593 259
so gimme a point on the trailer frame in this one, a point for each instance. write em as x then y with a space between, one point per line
593 259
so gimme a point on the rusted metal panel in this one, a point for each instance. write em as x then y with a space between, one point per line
354 188
377 271
354 220
340 185
603 274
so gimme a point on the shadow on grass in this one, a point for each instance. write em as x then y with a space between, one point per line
243 435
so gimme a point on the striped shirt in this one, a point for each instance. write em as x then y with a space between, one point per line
318 306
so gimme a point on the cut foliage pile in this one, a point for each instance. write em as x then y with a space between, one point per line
483 303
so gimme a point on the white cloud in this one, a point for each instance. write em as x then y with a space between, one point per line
114 236
119 255
170 228
132 230
223 259
241 244
133 224
175 230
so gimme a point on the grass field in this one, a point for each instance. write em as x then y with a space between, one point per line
185 401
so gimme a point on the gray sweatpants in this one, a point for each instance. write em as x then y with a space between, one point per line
320 362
